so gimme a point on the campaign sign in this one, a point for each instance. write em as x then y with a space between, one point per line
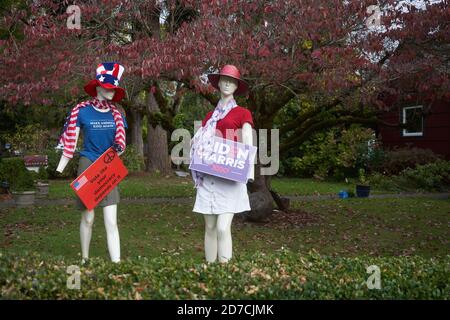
99 179
224 158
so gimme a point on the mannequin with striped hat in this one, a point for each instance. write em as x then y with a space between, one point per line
103 126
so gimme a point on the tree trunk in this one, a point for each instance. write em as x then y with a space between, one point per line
158 159
135 124
261 200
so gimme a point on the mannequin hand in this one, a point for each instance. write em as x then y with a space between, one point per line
62 164
118 148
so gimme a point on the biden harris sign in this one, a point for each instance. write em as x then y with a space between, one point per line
224 158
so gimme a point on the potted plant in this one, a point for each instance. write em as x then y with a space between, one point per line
23 192
19 180
42 184
363 187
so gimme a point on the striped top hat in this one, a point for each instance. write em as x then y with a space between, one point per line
108 75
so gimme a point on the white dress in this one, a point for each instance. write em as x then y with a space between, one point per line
217 196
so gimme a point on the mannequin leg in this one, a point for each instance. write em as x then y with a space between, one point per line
225 245
112 232
210 237
87 220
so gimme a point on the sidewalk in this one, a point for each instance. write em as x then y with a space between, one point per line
190 200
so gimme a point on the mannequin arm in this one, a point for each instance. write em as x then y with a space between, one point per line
247 138
64 160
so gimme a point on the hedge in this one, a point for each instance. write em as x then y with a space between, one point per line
282 275
13 171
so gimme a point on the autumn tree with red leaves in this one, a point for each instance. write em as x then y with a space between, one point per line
50 62
328 53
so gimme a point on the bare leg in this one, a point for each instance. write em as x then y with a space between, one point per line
87 220
112 232
210 237
225 244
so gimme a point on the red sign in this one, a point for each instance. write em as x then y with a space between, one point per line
99 179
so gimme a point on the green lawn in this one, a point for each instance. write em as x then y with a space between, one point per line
309 186
150 186
136 186
376 227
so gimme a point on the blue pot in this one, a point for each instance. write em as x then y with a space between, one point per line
362 191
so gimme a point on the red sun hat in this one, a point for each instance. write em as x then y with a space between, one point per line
232 72
107 76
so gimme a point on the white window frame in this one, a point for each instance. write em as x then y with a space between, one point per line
411 134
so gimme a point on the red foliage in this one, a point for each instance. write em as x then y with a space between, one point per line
315 46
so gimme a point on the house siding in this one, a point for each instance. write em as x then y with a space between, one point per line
436 130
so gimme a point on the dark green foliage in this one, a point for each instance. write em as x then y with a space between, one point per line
29 139
14 172
53 159
132 159
433 176
193 108
281 275
42 174
337 152
394 161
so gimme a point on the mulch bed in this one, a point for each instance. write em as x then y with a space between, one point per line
293 218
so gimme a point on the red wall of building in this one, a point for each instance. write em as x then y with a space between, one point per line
436 130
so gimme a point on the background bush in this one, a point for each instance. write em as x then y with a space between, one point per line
28 139
394 161
433 176
132 159
339 152
53 159
14 172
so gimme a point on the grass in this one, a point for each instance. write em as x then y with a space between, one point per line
374 227
309 186
151 186
136 186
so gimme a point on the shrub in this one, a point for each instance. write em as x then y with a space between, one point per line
53 160
13 171
132 159
338 152
428 177
398 159
42 174
279 275
432 176
28 139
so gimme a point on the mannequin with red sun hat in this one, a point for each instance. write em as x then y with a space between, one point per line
218 199
103 126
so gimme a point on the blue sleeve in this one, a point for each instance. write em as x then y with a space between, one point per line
79 118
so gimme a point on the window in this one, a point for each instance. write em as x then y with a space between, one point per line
413 119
